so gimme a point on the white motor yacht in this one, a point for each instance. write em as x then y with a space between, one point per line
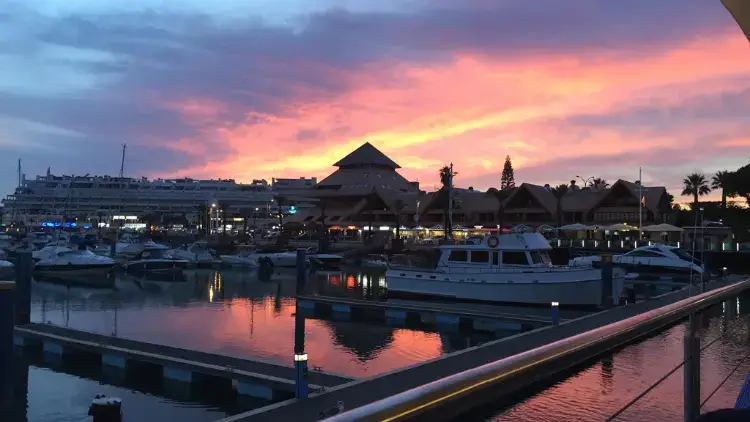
55 259
154 259
282 259
509 268
654 260
375 261
197 253
322 261
242 259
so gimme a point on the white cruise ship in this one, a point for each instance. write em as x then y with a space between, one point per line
50 197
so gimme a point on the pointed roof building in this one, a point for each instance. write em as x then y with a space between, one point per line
366 156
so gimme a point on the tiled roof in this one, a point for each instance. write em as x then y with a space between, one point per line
367 155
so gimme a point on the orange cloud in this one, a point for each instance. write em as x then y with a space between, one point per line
476 109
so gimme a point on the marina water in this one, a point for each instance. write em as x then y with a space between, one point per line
233 313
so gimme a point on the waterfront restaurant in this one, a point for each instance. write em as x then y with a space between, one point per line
366 193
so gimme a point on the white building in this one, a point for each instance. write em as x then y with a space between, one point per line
50 197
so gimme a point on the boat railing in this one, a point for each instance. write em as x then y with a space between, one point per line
444 269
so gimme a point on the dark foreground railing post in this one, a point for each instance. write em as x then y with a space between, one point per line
300 357
555 313
692 370
24 269
6 346
607 287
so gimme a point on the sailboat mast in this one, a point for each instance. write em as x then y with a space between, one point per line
122 161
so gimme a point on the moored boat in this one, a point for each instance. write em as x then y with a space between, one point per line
54 259
660 260
511 268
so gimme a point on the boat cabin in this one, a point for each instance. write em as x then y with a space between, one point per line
507 250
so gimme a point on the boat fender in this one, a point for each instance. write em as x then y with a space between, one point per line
493 241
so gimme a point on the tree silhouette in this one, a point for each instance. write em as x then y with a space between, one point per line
444 192
738 183
507 179
695 185
598 181
720 181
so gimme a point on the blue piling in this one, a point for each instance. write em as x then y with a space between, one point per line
300 357
555 313
7 289
607 287
24 269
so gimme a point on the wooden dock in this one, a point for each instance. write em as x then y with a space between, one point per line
250 377
419 314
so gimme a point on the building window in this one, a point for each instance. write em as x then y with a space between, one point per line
458 255
480 256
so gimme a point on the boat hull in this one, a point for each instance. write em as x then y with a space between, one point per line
586 289
156 266
74 269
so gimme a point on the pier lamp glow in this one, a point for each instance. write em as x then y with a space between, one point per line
300 358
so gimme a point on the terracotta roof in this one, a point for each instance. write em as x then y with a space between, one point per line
582 200
366 155
653 194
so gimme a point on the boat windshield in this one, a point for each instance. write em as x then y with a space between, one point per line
540 257
685 256
155 254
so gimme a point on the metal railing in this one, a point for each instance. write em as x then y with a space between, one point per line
431 396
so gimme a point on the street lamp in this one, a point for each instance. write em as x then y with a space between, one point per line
586 180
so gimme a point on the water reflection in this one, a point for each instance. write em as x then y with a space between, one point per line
233 313
49 391
596 392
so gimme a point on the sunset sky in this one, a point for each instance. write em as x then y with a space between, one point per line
258 88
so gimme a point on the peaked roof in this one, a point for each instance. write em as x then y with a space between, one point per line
367 155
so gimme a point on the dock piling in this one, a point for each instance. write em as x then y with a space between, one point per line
300 357
555 313
608 291
692 380
24 271
6 344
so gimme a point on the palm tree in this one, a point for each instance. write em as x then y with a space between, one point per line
598 181
445 181
695 185
720 181
559 192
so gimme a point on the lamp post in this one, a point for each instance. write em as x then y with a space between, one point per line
585 180
211 218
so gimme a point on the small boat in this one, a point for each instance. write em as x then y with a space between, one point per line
280 259
242 259
154 259
197 253
375 261
660 260
323 261
55 259
509 268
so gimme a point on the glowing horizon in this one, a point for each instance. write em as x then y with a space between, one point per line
199 92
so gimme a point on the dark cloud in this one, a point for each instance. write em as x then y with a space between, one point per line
258 68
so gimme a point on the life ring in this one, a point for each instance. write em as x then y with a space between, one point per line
493 241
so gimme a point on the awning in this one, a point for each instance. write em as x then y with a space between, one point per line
622 227
575 227
661 228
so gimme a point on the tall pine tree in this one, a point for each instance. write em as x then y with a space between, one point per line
508 179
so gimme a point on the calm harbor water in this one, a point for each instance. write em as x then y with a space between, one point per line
235 314
600 389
